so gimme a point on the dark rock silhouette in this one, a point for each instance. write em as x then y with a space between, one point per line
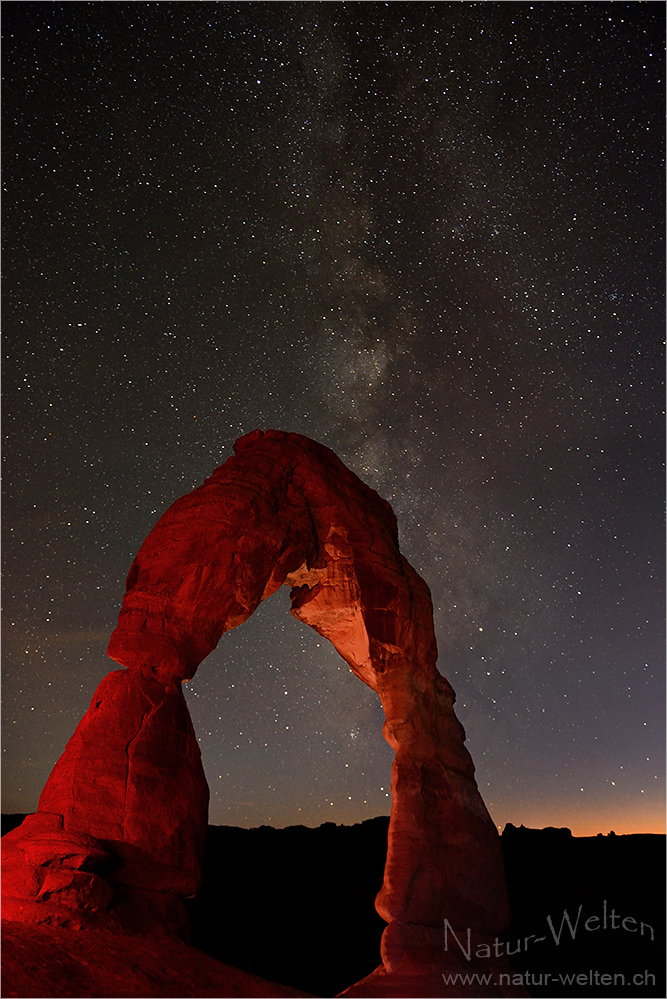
296 904
126 804
600 881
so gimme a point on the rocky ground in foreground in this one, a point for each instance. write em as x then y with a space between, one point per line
46 961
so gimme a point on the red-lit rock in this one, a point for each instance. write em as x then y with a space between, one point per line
284 510
52 875
131 776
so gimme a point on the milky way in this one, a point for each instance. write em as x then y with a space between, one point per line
429 236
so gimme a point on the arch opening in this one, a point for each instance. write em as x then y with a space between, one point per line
288 734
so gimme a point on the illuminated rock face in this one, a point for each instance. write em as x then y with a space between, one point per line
131 776
118 838
283 511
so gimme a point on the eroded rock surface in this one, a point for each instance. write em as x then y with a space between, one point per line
283 510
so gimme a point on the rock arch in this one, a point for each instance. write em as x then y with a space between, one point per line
128 798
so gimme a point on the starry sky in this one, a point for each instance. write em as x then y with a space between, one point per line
427 235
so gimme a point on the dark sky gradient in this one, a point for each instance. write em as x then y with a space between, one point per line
429 236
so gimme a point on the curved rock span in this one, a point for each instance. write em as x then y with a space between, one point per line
119 831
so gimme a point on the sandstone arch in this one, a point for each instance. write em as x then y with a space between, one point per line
128 798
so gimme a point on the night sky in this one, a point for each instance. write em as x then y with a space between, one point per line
427 235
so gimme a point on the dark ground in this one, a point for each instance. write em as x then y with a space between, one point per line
550 872
295 906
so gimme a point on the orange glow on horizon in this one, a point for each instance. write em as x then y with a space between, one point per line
585 821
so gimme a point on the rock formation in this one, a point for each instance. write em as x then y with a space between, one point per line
125 805
118 837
